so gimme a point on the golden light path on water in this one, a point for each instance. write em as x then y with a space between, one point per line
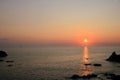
85 68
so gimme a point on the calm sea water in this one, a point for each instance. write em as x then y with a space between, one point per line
55 63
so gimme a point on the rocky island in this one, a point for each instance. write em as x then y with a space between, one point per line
114 57
3 54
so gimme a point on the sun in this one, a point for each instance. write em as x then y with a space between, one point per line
85 40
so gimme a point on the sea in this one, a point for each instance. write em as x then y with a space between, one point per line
56 63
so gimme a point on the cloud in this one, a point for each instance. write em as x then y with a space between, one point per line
4 39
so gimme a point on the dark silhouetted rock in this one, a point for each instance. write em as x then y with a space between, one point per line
83 77
98 65
3 54
10 61
75 76
101 76
106 76
114 57
117 77
10 65
89 76
88 64
1 60
112 76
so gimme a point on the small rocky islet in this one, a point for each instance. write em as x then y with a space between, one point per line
114 57
3 54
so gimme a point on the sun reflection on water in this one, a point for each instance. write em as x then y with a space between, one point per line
86 67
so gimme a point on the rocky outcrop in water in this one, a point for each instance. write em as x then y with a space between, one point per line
101 76
3 54
75 76
97 65
9 61
114 57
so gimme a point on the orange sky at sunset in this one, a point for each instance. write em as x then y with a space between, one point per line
60 22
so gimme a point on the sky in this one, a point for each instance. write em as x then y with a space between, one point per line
59 22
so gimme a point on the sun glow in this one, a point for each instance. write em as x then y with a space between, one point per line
85 40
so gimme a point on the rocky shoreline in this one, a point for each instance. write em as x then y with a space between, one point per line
101 76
